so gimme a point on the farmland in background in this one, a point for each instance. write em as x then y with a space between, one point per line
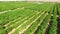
29 18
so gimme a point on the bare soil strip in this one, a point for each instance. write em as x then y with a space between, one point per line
11 22
13 30
39 23
14 20
10 10
30 24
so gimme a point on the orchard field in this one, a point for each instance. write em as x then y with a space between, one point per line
29 18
